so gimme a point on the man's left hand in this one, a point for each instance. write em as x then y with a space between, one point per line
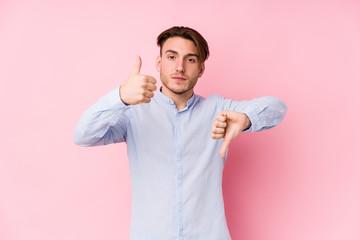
228 125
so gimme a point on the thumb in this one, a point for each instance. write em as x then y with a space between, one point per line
137 67
224 147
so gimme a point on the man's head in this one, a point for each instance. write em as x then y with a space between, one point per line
183 52
186 33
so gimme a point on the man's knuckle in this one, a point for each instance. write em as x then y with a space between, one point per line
143 84
140 96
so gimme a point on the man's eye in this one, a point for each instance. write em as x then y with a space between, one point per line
191 60
171 57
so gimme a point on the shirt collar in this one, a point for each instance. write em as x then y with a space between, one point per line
168 100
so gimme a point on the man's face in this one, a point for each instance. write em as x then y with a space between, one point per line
179 66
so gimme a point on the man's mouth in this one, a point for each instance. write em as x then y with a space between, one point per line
179 78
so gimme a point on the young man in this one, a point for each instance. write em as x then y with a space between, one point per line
176 140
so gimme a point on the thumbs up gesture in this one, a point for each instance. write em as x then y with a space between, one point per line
228 125
137 88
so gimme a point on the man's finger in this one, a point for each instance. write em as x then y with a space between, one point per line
221 118
145 100
151 87
220 124
150 79
218 130
137 67
217 136
223 148
148 94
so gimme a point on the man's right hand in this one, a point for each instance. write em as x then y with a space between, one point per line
137 88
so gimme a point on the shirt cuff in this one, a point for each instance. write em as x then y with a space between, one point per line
253 117
114 96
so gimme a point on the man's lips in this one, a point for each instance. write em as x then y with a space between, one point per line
179 78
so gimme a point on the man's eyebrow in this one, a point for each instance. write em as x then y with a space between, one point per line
192 55
187 55
171 51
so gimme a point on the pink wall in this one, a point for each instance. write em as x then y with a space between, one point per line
297 181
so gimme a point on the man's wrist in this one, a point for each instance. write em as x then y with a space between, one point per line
247 122
121 98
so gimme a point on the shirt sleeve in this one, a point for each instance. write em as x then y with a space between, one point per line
104 122
264 112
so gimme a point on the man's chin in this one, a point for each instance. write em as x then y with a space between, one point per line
177 88
179 91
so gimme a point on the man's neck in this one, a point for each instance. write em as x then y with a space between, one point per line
180 100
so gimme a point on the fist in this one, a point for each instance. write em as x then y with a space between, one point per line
137 88
229 125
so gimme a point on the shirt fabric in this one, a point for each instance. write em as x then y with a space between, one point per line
175 166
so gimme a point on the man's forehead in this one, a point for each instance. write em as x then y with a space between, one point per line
179 45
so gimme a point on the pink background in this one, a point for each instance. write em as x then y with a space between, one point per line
297 181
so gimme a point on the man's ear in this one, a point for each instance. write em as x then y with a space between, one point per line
202 69
157 63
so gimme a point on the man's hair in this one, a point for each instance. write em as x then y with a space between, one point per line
186 33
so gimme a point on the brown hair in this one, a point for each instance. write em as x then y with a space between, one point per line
186 33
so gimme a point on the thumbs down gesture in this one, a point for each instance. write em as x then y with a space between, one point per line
229 125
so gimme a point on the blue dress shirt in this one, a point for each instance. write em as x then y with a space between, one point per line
175 165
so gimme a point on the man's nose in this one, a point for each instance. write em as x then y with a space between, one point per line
180 66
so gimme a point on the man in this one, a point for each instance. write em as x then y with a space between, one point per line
176 140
